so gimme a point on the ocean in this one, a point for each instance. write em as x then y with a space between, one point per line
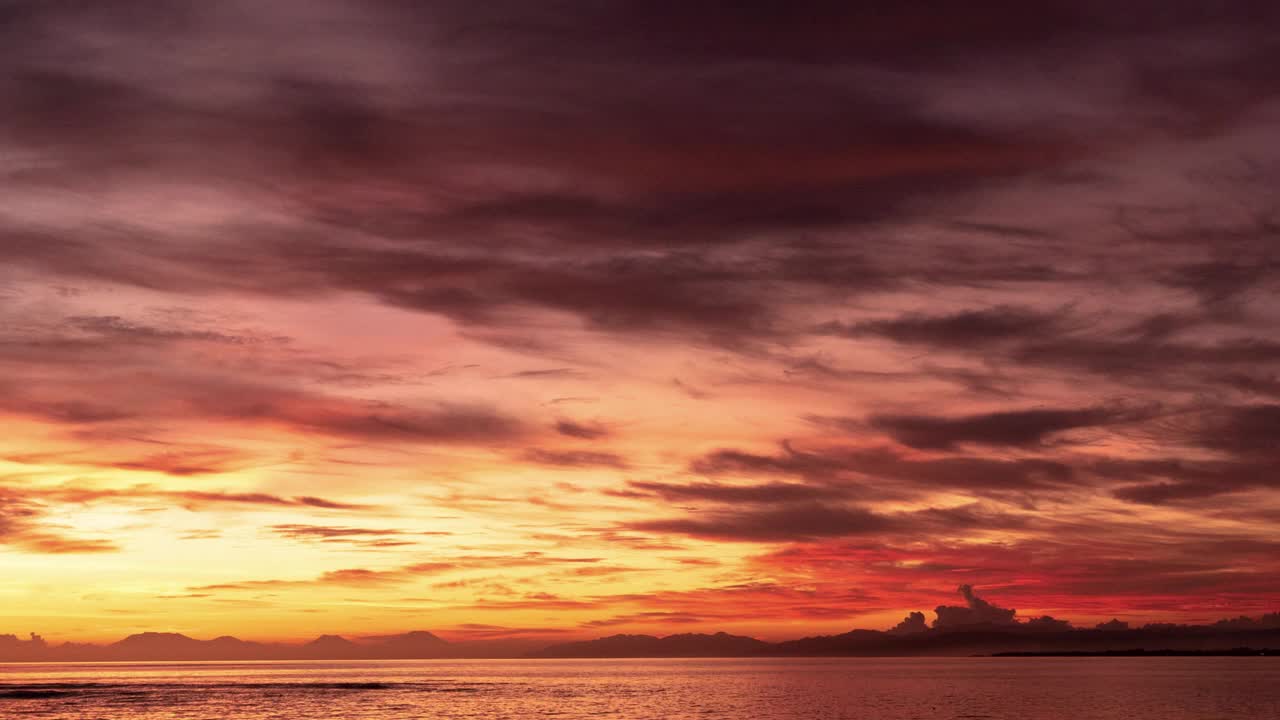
1170 688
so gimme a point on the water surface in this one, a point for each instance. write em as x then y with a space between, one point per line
1175 688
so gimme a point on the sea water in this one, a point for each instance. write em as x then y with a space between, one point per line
1171 688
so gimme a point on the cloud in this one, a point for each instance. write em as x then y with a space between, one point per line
1005 270
1219 284
642 618
407 573
1159 493
765 493
969 328
484 631
1048 624
975 611
361 537
125 377
574 458
546 373
25 525
789 462
189 499
582 431
346 577
180 463
1146 361
1020 338
854 466
1018 428
672 189
325 532
913 623
122 329
767 599
785 523
1268 621
1247 431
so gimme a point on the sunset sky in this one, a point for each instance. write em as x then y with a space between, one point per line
515 319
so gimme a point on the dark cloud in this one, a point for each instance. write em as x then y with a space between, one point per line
1219 285
786 523
1020 428
866 466
1174 481
447 424
1147 361
582 431
680 185
547 373
1047 623
803 520
789 462
1248 431
71 412
969 328
767 493
913 623
1261 385
975 611
1270 621
574 458
1021 339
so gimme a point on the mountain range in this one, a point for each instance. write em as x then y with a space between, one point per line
977 639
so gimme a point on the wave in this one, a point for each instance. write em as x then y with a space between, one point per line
26 694
56 689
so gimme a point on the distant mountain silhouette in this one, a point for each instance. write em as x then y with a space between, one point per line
1004 639
686 645
976 628
417 644
331 647
153 642
1020 638
175 646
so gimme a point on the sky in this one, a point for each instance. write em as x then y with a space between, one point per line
562 319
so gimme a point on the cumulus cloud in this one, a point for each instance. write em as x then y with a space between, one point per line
914 622
1047 623
975 611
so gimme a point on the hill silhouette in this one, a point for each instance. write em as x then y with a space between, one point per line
685 645
156 646
957 641
976 628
